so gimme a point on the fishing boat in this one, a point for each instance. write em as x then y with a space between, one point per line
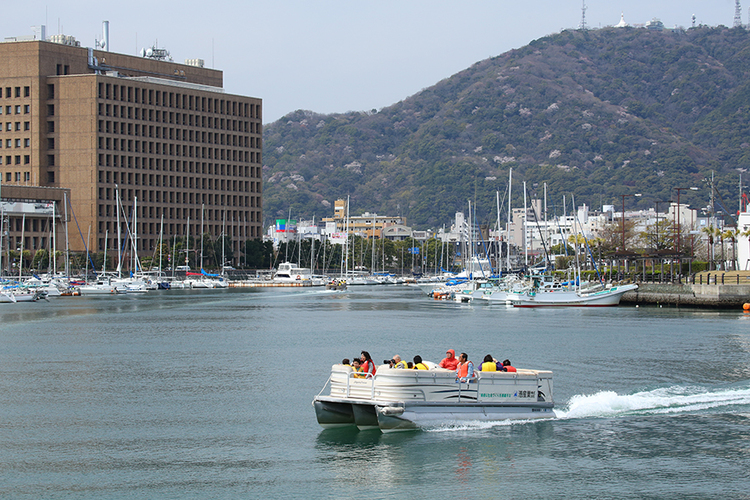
595 297
399 399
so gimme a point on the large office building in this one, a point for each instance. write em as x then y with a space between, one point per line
162 137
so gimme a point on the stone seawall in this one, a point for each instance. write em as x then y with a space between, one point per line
719 296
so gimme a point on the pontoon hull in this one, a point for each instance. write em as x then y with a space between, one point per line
397 399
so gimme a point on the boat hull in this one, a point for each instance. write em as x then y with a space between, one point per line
604 298
398 399
414 416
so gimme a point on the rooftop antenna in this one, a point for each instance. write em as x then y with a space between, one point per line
693 20
583 14
737 14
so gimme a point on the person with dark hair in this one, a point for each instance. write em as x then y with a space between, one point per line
368 365
345 362
507 367
418 364
357 367
465 370
488 365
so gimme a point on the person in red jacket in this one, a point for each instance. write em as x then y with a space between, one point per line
368 365
507 367
449 362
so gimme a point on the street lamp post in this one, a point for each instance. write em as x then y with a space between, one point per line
677 231
623 221
661 260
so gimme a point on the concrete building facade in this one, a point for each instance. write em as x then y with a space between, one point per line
162 137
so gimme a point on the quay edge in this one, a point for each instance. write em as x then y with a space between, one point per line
709 296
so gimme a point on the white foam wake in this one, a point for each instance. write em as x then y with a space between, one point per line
675 399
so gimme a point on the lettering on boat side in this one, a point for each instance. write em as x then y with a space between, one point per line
495 395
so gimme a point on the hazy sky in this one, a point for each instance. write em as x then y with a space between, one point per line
334 56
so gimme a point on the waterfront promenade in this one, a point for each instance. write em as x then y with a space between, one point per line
715 289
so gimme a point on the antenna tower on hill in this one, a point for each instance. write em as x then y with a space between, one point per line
583 14
737 14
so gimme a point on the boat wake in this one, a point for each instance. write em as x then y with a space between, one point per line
474 425
670 400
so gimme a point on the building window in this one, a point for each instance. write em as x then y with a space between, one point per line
26 126
51 91
27 177
50 127
18 91
26 109
51 143
26 159
50 110
26 142
51 177
26 91
50 160
18 109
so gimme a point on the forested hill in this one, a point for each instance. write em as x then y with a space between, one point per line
595 113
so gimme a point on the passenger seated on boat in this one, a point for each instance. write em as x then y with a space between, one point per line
346 362
357 367
368 365
449 362
488 365
507 367
398 362
465 370
418 364
410 365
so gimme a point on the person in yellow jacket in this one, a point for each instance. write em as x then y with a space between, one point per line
357 367
399 363
418 364
488 365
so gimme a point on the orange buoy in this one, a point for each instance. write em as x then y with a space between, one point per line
746 306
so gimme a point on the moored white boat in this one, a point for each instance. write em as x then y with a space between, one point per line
398 399
571 298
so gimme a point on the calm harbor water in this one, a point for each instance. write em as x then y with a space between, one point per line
206 394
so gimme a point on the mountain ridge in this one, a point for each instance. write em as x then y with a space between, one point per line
595 114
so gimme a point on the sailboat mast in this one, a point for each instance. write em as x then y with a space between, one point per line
106 243
119 231
546 228
161 235
223 238
525 216
499 245
20 257
187 243
202 211
510 187
67 245
54 239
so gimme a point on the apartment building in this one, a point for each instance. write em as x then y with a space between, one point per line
162 137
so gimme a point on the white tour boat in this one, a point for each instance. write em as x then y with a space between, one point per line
401 399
